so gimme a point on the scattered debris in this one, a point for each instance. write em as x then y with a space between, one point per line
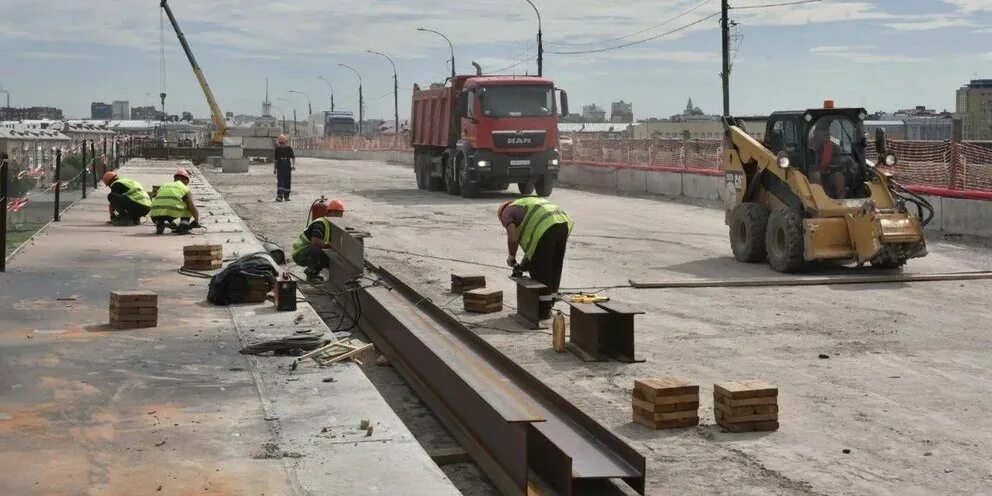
824 356
152 412
366 423
236 369
329 379
157 445
271 451
928 453
270 419
846 451
382 361
368 432
298 319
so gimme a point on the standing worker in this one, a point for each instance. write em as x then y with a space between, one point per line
175 201
283 165
541 229
128 200
308 250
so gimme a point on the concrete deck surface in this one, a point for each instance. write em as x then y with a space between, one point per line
175 410
905 388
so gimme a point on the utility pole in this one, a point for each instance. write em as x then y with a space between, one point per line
725 75
540 42
361 98
450 46
396 93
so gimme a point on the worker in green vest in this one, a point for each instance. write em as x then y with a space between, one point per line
308 250
128 200
175 201
541 229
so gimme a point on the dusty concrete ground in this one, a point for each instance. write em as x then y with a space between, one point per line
899 407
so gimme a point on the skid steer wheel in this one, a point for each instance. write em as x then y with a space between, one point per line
747 232
889 259
784 240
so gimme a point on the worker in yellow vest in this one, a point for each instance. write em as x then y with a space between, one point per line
308 250
128 200
175 201
541 229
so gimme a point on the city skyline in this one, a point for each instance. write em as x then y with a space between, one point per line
882 55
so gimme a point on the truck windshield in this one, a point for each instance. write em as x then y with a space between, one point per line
517 101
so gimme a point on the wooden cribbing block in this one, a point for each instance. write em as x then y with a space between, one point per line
203 249
203 257
746 406
665 403
483 300
133 309
461 283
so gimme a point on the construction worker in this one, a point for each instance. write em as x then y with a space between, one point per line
308 250
283 166
175 201
128 200
541 229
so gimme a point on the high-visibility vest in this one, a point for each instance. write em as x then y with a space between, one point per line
303 241
135 192
541 215
169 201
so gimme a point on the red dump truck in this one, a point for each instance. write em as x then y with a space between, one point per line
484 132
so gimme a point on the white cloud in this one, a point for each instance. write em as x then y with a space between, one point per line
931 24
52 55
862 55
971 5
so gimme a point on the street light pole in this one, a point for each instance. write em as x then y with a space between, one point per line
361 99
540 41
322 78
309 105
291 104
452 47
396 94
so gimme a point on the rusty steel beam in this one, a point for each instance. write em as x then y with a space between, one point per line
513 425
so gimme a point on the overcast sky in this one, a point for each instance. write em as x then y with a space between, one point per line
881 54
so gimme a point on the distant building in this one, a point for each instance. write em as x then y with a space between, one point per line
705 129
30 113
605 130
974 108
693 113
622 112
148 113
101 111
592 113
121 110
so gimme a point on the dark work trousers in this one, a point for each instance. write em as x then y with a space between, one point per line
126 207
549 257
284 178
170 222
314 259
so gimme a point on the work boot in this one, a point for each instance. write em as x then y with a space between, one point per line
136 221
120 222
279 199
159 227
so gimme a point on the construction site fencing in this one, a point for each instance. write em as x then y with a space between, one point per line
938 167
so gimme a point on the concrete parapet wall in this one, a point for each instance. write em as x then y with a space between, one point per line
962 214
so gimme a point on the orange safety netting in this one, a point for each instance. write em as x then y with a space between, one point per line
965 166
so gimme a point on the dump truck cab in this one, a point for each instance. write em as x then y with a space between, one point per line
809 193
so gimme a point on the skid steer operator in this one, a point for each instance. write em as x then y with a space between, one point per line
308 250
541 229
831 168
175 201
128 200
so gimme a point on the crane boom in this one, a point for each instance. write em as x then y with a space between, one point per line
218 117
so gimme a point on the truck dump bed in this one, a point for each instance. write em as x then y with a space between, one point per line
430 121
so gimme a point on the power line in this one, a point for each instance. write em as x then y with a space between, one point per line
600 42
638 42
768 5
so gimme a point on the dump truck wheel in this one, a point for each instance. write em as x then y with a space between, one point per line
451 181
784 240
418 170
525 188
545 186
748 222
469 190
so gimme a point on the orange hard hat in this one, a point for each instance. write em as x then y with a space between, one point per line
336 206
499 213
283 139
109 178
181 173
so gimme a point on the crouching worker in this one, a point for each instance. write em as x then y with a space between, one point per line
308 250
175 201
128 200
541 229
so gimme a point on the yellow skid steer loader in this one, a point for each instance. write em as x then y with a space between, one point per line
808 193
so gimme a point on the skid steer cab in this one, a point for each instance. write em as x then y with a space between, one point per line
808 193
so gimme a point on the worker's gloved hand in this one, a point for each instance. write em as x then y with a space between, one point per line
511 261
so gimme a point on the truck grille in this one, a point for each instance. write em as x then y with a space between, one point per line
519 139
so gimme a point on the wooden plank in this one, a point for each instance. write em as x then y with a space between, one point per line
198 248
486 308
750 427
666 400
482 295
346 356
743 389
202 258
723 417
648 421
726 400
745 411
669 408
449 456
150 313
132 296
655 387
661 416
125 305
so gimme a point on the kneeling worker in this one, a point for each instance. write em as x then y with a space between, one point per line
175 201
541 229
128 200
308 250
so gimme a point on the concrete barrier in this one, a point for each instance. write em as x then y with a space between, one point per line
961 215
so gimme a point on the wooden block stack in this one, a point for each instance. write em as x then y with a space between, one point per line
666 403
746 406
483 300
133 309
461 283
203 257
258 290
